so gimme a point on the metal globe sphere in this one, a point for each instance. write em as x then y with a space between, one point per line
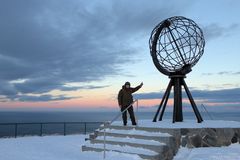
176 44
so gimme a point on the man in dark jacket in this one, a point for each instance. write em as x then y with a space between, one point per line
125 98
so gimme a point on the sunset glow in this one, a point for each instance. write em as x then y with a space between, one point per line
78 54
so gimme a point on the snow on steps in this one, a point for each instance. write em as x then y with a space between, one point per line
143 153
172 131
147 144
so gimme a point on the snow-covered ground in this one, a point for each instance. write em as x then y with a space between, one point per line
69 148
210 153
53 148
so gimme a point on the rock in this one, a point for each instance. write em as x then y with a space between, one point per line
237 131
224 136
210 131
209 141
184 131
167 153
184 141
234 138
195 140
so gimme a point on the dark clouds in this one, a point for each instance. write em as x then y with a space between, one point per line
51 43
212 96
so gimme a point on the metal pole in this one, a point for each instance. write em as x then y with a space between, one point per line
137 112
163 99
41 130
194 106
85 127
165 103
104 144
207 111
108 123
177 112
16 127
64 128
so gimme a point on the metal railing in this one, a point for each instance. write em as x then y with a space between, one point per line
65 127
205 109
107 123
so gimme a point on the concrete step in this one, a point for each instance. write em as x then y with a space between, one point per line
161 137
148 143
151 145
143 135
175 132
143 153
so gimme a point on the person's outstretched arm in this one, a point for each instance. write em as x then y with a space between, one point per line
137 88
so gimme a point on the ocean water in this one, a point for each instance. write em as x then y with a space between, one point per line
50 116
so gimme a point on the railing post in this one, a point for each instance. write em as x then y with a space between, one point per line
64 128
41 130
85 128
104 144
137 112
16 130
206 111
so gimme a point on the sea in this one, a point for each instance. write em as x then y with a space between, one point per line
31 123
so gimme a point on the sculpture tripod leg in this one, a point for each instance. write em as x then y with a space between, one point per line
194 106
177 83
164 100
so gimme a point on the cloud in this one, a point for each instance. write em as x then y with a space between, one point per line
222 73
64 88
208 96
43 98
214 30
149 95
218 96
51 43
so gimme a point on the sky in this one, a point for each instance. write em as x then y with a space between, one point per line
75 54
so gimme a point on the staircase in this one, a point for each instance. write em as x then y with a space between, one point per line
148 143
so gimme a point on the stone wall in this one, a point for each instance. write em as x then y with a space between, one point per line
209 137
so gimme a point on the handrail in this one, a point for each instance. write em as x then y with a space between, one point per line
16 126
119 114
203 106
107 123
26 123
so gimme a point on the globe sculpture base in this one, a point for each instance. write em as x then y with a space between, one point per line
177 81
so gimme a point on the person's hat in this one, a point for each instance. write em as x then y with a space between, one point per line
127 83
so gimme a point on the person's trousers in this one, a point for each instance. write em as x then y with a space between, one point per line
131 113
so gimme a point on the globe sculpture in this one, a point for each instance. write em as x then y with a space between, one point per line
176 44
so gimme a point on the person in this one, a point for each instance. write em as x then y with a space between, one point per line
125 99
